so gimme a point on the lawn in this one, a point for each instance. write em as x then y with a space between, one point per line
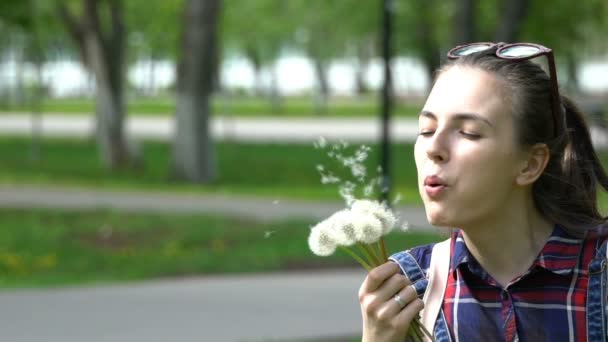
279 171
52 248
271 170
236 105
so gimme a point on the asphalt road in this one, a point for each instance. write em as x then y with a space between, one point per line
271 307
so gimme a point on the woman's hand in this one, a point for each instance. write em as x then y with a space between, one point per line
384 318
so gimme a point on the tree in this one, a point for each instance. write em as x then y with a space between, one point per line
193 150
25 20
153 34
321 38
514 14
464 22
260 40
99 35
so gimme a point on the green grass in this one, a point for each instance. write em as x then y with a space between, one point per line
49 248
272 170
237 106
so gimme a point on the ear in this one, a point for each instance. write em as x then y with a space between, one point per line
533 166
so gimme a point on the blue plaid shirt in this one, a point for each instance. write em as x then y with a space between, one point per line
546 303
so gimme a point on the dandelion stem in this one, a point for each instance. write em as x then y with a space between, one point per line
356 257
414 334
370 259
425 330
373 258
382 247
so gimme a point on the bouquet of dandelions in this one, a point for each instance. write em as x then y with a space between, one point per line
359 229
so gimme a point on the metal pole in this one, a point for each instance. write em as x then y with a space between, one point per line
387 12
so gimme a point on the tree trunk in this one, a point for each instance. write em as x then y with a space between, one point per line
152 76
430 52
513 14
322 93
19 98
103 53
254 58
275 94
572 82
464 22
363 58
193 154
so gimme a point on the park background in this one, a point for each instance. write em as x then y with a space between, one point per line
174 140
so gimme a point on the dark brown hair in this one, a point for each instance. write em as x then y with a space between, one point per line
566 192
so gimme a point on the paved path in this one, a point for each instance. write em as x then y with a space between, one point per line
303 130
271 307
259 208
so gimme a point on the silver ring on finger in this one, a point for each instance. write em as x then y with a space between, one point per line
397 298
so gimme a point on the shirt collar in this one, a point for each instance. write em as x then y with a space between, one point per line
559 255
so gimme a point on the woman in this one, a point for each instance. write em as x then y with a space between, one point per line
505 159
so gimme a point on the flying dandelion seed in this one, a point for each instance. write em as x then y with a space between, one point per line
268 234
275 202
320 143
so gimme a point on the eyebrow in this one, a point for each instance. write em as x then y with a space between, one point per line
459 116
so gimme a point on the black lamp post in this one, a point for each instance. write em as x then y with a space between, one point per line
387 13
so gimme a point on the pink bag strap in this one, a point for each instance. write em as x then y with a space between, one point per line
438 277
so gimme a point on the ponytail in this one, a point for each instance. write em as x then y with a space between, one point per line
567 191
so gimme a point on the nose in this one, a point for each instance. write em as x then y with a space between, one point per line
438 147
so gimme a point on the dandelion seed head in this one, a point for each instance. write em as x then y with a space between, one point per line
368 229
320 241
344 229
379 211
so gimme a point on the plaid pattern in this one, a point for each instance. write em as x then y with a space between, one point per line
546 303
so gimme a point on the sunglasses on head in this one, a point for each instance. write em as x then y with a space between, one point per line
521 52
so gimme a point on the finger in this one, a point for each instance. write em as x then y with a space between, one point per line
378 275
390 287
409 312
395 304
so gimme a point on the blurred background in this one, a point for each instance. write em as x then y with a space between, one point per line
159 175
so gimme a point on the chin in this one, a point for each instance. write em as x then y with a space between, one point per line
438 216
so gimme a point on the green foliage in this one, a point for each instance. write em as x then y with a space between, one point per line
575 28
153 27
42 248
257 29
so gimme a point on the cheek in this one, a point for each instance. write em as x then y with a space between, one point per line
419 155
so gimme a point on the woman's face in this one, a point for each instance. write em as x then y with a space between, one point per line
466 152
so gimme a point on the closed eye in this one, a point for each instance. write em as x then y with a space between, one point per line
470 135
426 133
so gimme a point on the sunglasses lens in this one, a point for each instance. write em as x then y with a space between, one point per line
469 49
518 51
